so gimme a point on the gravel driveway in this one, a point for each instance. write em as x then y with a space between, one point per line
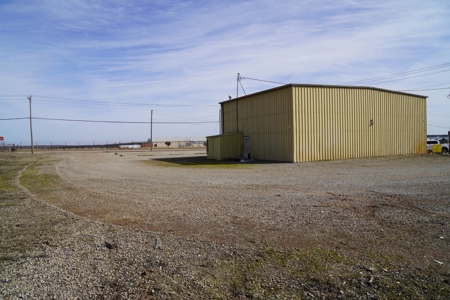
286 203
397 208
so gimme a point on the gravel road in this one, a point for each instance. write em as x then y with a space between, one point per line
146 225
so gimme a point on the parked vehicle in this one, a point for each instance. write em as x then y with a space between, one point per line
430 144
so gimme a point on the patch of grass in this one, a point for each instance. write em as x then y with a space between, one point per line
20 235
36 181
259 276
41 183
400 280
295 274
9 167
387 261
10 194
415 287
6 181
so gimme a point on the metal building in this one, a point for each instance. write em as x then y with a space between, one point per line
299 122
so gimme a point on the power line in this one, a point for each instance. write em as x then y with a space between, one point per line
121 122
9 119
402 74
438 115
446 88
129 122
378 82
428 86
107 121
262 80
436 126
180 118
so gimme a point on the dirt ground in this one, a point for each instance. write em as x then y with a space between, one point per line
384 219
234 202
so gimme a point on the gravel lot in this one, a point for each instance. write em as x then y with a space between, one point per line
167 225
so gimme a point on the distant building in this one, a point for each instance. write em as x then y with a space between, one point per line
300 122
437 137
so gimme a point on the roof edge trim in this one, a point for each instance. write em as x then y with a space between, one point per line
325 86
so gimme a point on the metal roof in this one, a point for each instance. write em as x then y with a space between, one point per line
326 86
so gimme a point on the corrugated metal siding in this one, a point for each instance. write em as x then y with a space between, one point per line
267 119
229 117
334 123
224 146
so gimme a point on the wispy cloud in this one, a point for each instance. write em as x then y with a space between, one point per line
190 51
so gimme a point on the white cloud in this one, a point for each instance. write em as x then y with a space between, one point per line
171 52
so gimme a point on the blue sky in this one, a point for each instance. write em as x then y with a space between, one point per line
118 60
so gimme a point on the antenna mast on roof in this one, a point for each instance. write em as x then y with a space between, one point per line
238 82
237 85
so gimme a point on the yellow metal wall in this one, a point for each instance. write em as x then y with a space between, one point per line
306 123
228 110
267 118
334 123
224 146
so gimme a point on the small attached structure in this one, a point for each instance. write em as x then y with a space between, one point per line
298 122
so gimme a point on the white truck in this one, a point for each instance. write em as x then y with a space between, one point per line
430 144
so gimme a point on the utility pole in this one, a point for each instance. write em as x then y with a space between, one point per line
151 131
31 127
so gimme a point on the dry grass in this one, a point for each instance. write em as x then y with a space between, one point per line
20 235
